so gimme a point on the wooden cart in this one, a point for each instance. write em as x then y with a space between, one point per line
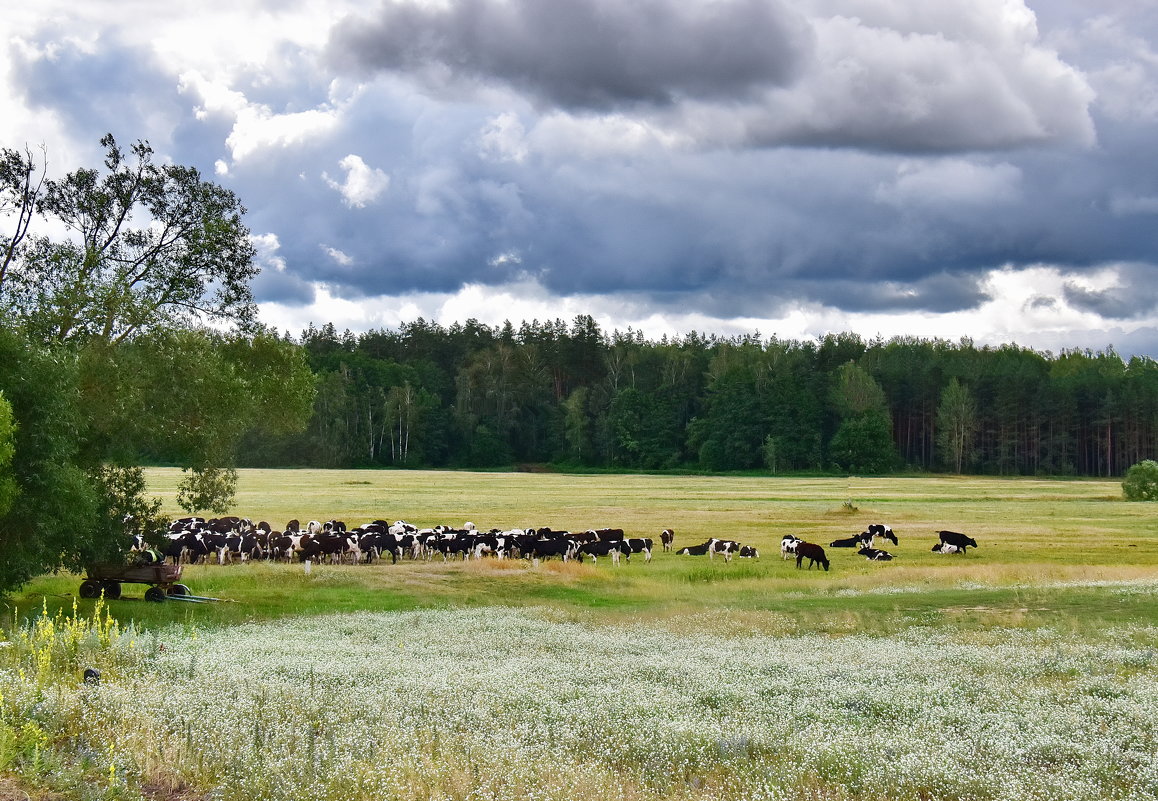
109 577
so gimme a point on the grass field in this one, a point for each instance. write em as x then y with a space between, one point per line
1025 669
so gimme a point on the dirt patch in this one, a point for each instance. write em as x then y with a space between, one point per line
10 791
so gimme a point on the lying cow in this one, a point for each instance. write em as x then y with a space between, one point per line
875 555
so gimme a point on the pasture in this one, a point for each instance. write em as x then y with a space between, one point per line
1025 669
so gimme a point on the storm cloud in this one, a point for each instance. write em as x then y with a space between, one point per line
593 54
958 167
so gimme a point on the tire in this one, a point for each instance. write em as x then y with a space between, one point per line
112 589
179 589
155 595
90 588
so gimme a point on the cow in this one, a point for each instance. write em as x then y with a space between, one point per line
882 531
875 555
862 540
697 550
723 547
748 552
954 538
667 537
788 546
606 533
542 549
813 553
642 546
944 547
612 548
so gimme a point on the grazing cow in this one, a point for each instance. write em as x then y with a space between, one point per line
542 549
667 537
875 555
955 538
813 553
612 548
944 547
788 546
882 531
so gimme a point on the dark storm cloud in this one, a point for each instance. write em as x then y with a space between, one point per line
587 53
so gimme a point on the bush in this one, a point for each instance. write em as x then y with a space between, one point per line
1141 483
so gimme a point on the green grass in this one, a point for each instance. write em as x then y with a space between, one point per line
1042 542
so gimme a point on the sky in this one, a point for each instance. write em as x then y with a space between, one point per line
961 168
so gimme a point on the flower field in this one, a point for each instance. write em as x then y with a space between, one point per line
536 703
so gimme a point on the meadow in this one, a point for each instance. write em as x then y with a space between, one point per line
1027 669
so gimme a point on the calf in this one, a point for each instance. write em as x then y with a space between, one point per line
875 555
954 538
667 537
813 553
944 547
748 552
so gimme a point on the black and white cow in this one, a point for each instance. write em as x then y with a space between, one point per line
875 555
667 537
640 545
697 550
612 548
748 552
944 547
955 538
544 549
882 531
788 546
862 540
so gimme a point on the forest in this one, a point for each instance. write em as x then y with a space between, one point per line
473 395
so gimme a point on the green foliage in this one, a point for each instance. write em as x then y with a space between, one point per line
956 424
54 520
8 487
864 444
207 489
1141 482
864 441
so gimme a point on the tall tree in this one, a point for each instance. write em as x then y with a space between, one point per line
956 424
149 245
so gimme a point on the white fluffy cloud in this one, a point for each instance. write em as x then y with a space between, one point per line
363 184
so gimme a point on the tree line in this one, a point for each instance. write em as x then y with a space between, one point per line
129 336
473 395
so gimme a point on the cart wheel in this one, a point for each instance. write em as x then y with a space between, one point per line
112 589
179 589
90 588
155 594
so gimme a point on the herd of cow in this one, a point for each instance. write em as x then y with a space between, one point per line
791 545
227 539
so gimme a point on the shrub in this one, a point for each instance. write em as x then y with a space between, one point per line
1141 483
